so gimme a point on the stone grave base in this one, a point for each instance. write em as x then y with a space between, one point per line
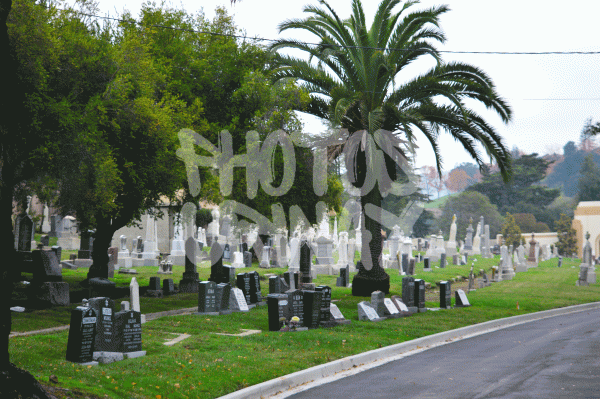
69 243
83 262
161 272
127 271
206 313
422 310
108 357
345 321
68 265
521 268
531 264
322 269
144 262
224 312
125 262
412 309
581 283
133 355
177 259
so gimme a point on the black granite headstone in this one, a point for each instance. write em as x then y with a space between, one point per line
224 290
408 291
325 302
128 331
247 259
45 240
46 266
154 284
274 285
168 286
207 298
445 294
255 293
305 262
104 309
460 299
58 252
426 264
82 333
278 308
312 308
243 283
217 272
296 304
419 293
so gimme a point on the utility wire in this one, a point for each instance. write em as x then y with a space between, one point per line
339 45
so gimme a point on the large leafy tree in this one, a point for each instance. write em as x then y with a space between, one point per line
589 180
525 193
353 76
466 206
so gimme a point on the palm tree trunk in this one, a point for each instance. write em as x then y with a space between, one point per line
371 276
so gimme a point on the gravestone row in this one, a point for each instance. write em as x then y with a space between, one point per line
96 332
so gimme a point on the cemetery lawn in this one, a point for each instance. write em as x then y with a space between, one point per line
208 365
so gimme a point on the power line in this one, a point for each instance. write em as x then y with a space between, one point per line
339 45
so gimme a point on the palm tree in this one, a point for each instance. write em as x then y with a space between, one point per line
353 76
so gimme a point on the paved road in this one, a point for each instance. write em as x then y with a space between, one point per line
558 357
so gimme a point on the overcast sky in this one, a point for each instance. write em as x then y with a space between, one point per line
551 95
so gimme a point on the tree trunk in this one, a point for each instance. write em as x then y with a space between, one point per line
6 248
104 234
371 276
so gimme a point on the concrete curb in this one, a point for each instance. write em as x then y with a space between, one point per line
363 361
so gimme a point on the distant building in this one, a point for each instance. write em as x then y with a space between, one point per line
587 218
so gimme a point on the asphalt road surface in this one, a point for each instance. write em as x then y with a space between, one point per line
557 357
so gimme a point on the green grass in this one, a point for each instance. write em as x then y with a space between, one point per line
208 365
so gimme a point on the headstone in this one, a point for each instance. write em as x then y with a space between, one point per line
128 331
237 301
104 309
189 282
445 295
405 263
207 299
168 286
419 294
58 252
45 240
85 246
336 315
218 272
426 265
255 292
274 285
560 259
400 305
442 260
344 279
460 299
226 253
247 259
305 263
325 302
292 279
224 294
312 308
367 313
456 259
324 251
82 334
408 293
390 309
411 266
278 309
296 304
154 289
134 294
243 283
377 298
46 266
